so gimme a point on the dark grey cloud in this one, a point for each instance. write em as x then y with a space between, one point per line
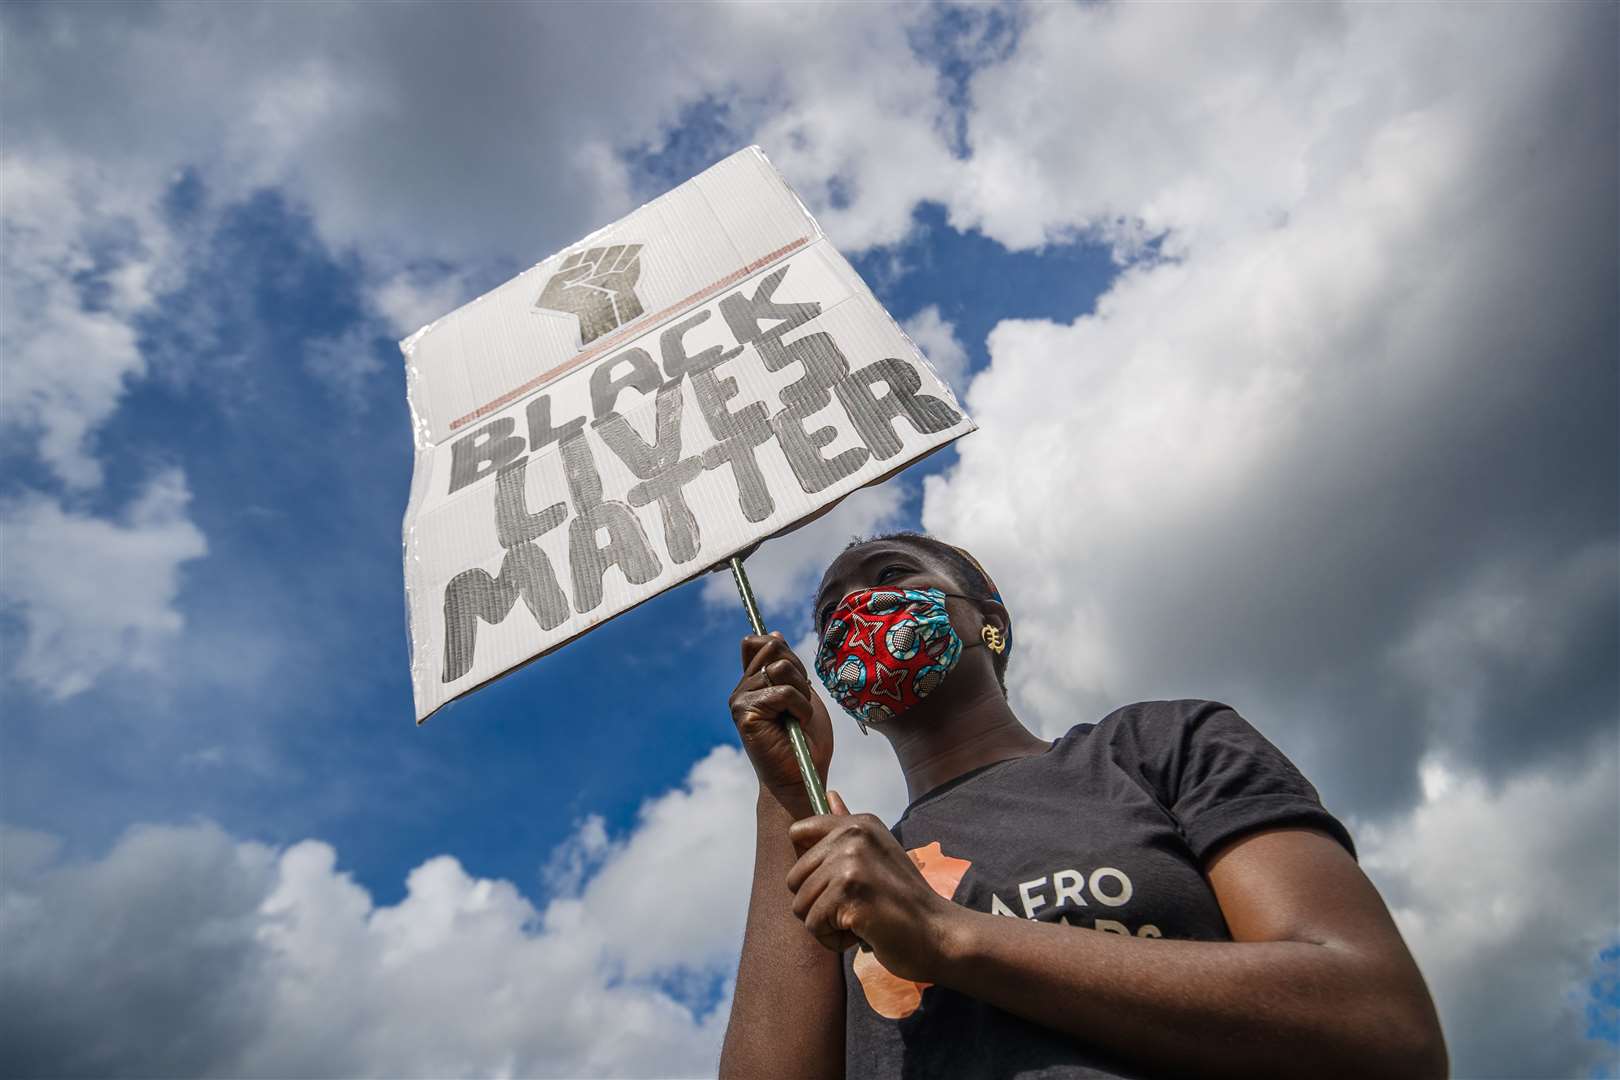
1353 462
1346 458
144 964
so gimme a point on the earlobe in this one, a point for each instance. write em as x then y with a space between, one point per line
993 638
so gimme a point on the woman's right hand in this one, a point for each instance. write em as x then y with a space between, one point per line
774 683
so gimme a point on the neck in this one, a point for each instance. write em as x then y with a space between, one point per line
938 745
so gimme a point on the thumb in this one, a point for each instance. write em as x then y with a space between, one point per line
836 801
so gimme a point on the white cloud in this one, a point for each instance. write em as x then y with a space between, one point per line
96 595
1508 886
1211 123
185 952
410 299
1338 458
240 945
244 944
1252 468
936 337
462 133
77 263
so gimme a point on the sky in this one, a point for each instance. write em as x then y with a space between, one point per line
1291 336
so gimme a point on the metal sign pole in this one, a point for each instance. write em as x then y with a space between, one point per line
795 733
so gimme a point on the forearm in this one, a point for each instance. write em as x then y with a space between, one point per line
1250 1009
787 1013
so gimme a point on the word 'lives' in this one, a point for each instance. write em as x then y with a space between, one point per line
604 532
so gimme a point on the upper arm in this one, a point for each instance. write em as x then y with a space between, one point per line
1300 884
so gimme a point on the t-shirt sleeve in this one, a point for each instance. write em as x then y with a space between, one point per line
1216 774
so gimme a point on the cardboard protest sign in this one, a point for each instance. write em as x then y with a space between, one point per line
700 375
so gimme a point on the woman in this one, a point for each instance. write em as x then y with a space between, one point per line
1180 903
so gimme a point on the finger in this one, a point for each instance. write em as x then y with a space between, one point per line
810 835
751 644
785 673
768 648
836 801
829 920
805 896
767 704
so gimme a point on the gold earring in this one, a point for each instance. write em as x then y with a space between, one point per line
992 638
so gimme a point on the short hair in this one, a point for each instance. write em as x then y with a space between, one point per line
973 576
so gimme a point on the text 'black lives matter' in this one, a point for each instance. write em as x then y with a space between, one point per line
606 532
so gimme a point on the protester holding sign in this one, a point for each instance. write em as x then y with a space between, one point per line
1160 892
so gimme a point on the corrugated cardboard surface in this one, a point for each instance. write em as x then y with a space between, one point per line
560 397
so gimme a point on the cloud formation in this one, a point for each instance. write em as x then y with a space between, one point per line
935 335
1261 466
96 594
260 962
1518 879
624 971
1337 446
463 132
78 262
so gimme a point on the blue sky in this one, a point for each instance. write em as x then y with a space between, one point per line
1295 376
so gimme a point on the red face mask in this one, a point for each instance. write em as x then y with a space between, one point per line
884 650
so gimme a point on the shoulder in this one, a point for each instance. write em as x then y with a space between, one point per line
1163 726
1149 739
1167 744
1146 721
1180 711
1219 775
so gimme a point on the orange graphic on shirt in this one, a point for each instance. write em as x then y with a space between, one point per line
888 994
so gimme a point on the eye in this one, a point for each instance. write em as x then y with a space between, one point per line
826 613
893 570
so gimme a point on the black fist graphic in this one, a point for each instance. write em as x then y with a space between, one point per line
599 286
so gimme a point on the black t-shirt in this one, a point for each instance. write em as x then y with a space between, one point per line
1107 830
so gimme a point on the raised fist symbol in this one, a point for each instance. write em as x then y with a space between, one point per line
599 286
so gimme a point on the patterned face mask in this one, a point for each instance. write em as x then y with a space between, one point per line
884 650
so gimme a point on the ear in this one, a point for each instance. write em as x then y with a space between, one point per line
995 614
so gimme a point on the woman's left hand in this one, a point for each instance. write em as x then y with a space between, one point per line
854 884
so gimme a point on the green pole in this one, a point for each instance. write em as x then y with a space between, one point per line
795 733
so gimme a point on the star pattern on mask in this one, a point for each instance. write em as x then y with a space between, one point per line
863 634
886 681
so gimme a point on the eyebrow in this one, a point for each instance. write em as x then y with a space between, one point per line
888 550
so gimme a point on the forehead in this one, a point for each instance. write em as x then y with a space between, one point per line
854 563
